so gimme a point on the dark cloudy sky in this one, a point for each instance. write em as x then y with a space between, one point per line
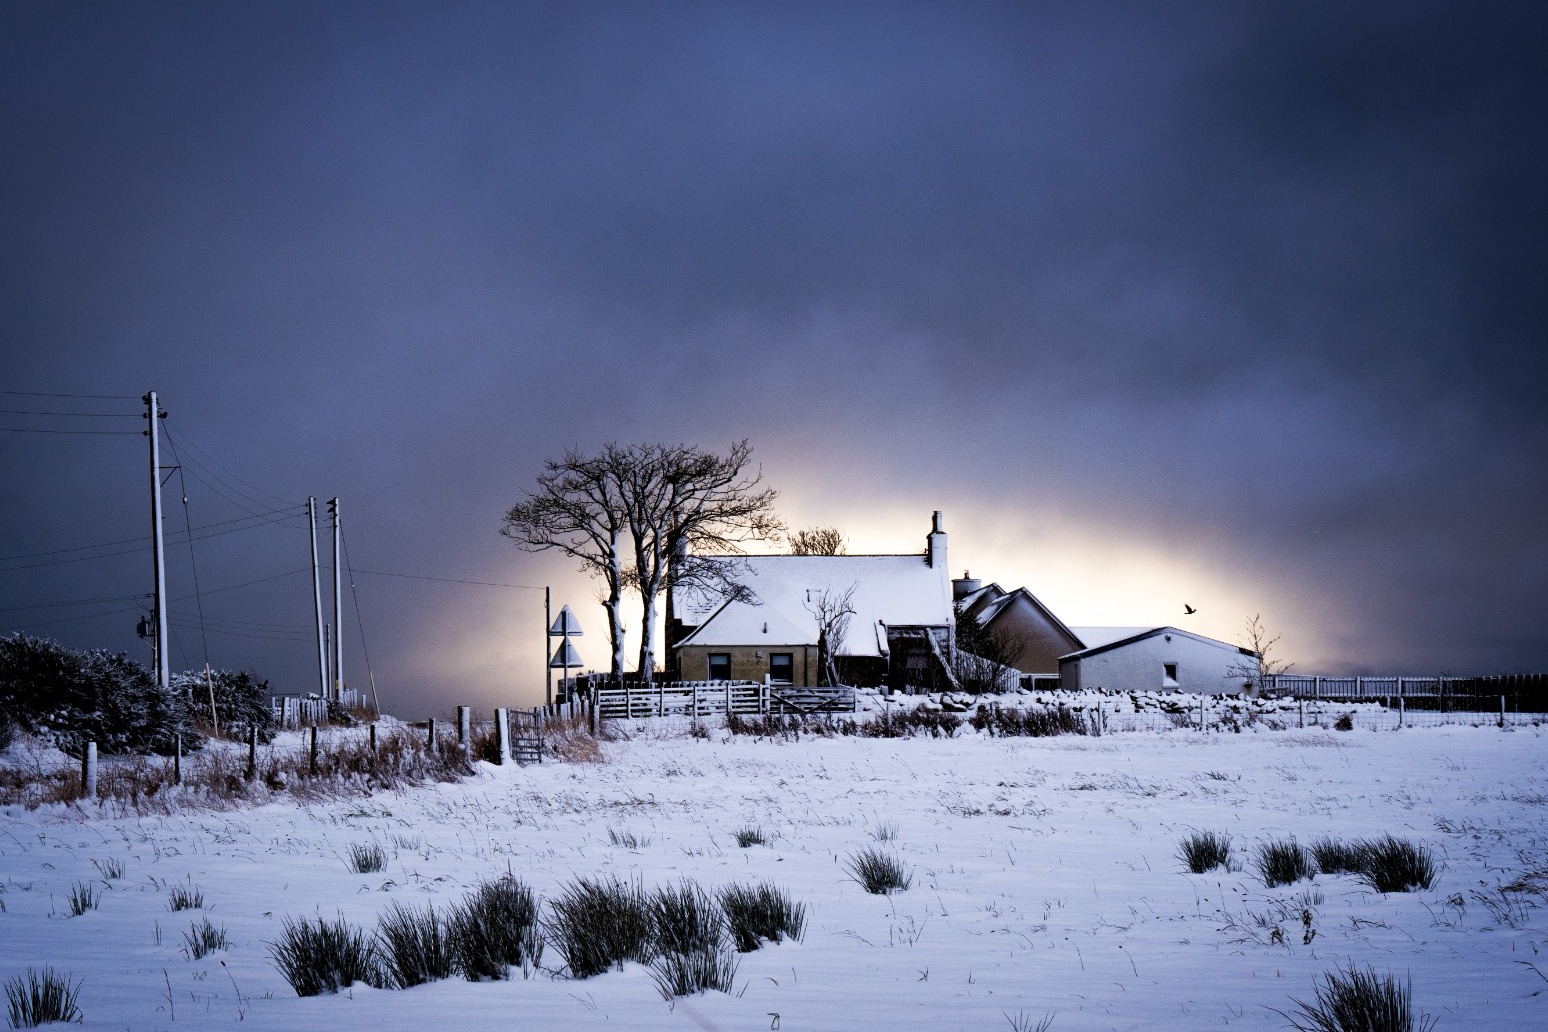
1234 304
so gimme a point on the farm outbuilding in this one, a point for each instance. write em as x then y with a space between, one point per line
1161 659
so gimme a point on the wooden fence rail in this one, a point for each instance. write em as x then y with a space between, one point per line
638 699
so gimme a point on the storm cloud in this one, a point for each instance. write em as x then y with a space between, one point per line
1237 305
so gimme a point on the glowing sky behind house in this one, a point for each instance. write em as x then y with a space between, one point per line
1235 305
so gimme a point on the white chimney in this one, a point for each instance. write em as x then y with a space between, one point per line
935 544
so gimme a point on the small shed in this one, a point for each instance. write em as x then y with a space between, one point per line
1161 659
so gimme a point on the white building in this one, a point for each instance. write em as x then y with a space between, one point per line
1159 659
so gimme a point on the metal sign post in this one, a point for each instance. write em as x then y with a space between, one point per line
564 628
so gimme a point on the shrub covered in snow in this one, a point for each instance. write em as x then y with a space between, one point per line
69 697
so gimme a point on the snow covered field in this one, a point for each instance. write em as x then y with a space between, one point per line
1045 882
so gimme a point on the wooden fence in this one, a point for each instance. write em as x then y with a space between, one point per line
1520 693
290 711
638 699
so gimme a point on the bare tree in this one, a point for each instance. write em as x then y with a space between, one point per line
579 509
818 541
985 658
1259 667
832 609
684 505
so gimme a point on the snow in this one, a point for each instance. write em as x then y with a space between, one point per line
1045 882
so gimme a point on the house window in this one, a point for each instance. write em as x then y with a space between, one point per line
1169 675
782 667
720 666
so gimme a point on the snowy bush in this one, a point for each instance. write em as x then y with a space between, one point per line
69 697
241 700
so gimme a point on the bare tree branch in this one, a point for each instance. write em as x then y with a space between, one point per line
818 541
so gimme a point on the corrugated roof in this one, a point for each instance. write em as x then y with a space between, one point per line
896 590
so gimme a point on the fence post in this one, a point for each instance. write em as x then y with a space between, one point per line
252 751
660 698
502 735
430 735
1400 702
1302 704
593 715
373 739
1502 711
89 771
465 728
1201 712
312 750
177 759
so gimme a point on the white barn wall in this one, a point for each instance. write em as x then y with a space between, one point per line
1203 665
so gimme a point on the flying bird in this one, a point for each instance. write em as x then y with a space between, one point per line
1188 610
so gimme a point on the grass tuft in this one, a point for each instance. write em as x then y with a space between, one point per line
203 938
686 920
415 946
879 872
1336 857
598 924
83 897
1283 863
185 897
325 957
367 858
1397 865
111 869
1203 851
683 974
496 928
1359 1001
759 913
750 835
37 999
627 839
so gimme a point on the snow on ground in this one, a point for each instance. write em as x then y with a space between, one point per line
1045 882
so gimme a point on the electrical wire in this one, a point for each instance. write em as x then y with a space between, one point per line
209 460
193 563
360 623
450 580
96 397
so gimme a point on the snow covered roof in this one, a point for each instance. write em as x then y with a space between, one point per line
1096 637
1139 635
890 591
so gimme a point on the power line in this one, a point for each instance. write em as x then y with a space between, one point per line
448 580
193 564
190 444
85 415
99 433
71 602
245 584
135 551
72 619
98 397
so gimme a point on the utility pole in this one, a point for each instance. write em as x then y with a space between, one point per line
548 671
338 607
154 415
322 649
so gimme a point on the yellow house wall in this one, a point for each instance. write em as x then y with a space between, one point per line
748 663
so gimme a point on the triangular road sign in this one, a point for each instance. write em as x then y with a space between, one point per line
565 656
566 626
